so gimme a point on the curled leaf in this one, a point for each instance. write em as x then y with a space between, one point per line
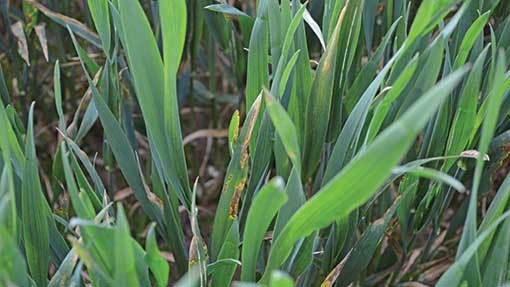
474 154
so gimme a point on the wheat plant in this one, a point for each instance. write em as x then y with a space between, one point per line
254 143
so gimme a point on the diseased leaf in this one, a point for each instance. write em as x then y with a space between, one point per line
347 191
19 33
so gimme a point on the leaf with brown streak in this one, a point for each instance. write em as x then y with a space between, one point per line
17 31
76 26
235 180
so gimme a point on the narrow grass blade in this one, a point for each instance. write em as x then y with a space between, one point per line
489 125
223 275
157 264
318 107
464 118
11 140
257 69
363 251
35 226
12 262
384 105
498 206
226 9
347 191
121 148
84 185
101 15
301 79
235 180
125 270
80 207
63 275
9 218
264 208
198 248
82 156
347 141
58 96
285 128
495 267
438 176
296 198
173 29
453 276
154 89
4 93
126 157
233 132
348 52
76 26
469 39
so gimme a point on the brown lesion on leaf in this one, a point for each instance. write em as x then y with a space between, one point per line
206 250
193 253
333 275
235 136
194 256
234 204
251 124
198 251
244 158
227 183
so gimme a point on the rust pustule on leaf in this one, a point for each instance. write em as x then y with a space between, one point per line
234 204
251 124
227 183
193 251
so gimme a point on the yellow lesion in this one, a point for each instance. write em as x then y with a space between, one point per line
235 137
206 250
244 158
234 204
192 262
196 255
233 211
227 183
193 252
244 150
251 125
